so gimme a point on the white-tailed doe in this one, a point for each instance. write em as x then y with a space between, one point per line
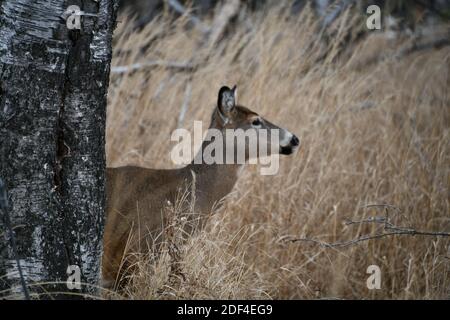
136 197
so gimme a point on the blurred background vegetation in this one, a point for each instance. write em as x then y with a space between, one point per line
409 12
371 108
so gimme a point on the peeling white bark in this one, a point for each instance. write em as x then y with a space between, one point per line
53 85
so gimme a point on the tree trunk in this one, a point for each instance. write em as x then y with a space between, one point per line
53 87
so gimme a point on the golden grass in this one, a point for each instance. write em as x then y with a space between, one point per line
374 130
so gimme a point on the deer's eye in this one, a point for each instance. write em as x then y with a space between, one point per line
256 123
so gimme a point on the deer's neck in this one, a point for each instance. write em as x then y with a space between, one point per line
213 181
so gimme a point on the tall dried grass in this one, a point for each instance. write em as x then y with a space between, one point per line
374 130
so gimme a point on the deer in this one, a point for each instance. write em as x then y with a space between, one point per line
136 197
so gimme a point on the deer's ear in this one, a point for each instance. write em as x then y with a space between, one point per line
227 99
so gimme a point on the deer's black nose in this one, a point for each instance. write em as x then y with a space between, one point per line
294 141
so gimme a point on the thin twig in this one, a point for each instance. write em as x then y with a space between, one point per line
384 205
184 106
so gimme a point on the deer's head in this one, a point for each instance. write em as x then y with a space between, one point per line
230 115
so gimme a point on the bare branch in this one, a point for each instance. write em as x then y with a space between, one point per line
229 10
415 47
388 230
368 220
341 244
178 7
181 66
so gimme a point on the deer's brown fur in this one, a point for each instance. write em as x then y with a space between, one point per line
136 197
